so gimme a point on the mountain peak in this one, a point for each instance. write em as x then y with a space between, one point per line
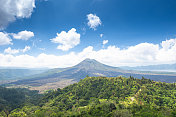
89 64
89 60
92 64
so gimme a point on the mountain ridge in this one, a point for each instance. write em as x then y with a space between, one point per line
88 67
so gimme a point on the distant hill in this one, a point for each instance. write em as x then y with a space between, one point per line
17 73
162 67
61 77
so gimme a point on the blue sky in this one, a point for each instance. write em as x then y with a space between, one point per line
124 23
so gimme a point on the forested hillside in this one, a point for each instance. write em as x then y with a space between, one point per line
11 98
106 97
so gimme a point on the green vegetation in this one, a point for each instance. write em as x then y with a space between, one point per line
105 97
11 98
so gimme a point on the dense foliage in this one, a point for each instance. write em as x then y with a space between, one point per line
101 96
11 98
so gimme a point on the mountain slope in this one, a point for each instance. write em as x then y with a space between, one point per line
88 67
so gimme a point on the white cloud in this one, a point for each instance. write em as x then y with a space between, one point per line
93 21
23 35
141 54
10 10
67 40
5 39
105 42
101 35
168 44
27 48
16 51
11 51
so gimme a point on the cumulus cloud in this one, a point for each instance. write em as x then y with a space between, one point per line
67 40
140 54
11 51
16 51
5 39
105 42
10 10
168 44
23 35
93 21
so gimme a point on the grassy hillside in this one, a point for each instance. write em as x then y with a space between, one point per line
102 96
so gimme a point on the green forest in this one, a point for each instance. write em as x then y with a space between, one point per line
94 97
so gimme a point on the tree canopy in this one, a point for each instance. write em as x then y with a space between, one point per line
103 96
